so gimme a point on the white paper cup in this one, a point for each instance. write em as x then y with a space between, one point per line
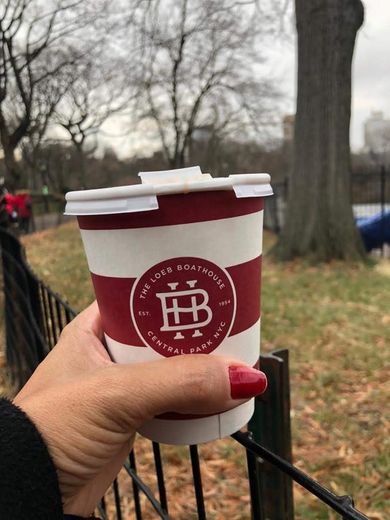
176 268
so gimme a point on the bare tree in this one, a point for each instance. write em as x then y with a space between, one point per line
48 96
200 65
38 43
96 94
319 219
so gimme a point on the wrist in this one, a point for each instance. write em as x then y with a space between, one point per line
79 507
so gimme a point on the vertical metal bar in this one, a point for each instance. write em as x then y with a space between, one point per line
36 315
13 350
103 504
197 482
68 316
101 513
254 486
137 503
270 426
59 315
23 340
117 500
47 316
51 320
160 476
53 323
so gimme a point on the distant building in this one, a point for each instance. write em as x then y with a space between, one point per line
377 133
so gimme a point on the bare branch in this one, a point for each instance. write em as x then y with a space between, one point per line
194 53
36 59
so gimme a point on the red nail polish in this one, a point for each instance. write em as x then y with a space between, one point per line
246 382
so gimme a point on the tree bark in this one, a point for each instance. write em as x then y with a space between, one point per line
82 166
13 174
12 170
319 219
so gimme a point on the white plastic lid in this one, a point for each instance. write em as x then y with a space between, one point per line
143 197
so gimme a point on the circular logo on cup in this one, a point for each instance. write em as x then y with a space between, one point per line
183 306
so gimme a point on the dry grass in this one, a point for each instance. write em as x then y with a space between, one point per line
335 319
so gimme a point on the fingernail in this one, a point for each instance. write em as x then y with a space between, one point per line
246 382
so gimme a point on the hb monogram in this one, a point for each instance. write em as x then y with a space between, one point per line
173 305
183 306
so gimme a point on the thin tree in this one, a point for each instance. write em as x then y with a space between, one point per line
48 97
95 95
36 45
319 221
200 66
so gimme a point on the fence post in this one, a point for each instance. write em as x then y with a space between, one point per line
271 427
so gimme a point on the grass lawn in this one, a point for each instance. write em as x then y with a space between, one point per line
335 320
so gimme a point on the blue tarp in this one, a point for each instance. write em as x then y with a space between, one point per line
375 230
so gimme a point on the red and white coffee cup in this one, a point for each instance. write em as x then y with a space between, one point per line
176 267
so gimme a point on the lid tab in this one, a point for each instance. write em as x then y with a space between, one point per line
111 206
247 185
176 176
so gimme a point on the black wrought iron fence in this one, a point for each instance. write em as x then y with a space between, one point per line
370 196
34 317
370 192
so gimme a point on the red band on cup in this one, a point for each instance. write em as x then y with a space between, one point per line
248 293
178 209
113 296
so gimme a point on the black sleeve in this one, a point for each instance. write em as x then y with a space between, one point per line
28 480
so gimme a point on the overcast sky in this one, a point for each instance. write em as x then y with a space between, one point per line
371 69
370 76
370 73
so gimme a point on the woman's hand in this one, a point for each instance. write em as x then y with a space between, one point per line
88 408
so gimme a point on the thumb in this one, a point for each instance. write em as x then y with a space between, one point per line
196 384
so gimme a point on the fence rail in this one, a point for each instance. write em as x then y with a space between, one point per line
370 196
34 317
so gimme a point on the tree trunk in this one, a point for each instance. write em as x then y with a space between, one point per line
319 220
13 174
82 173
12 177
